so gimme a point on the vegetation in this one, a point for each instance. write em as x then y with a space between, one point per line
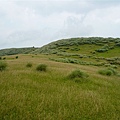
52 95
29 65
41 67
108 72
73 44
4 58
64 91
3 65
77 76
14 51
16 57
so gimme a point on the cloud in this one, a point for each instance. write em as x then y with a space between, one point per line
74 27
28 23
105 21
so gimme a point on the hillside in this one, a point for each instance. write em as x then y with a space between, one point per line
95 51
14 51
97 44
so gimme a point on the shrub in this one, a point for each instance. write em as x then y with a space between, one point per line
3 66
108 72
77 74
29 65
41 67
16 57
0 58
4 58
118 74
114 72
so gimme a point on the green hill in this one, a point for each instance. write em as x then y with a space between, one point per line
95 51
14 51
90 45
81 45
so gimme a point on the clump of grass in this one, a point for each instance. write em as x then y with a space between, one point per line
41 67
118 74
108 72
29 65
4 58
114 72
3 65
16 57
77 75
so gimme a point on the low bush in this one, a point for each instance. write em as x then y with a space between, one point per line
77 74
29 65
118 74
108 72
4 58
114 72
3 66
41 67
16 57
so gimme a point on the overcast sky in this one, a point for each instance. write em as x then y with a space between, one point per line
27 23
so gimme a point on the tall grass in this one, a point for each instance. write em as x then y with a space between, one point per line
29 65
3 65
41 67
29 95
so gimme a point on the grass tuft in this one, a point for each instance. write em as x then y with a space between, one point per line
29 65
76 74
3 65
41 67
108 72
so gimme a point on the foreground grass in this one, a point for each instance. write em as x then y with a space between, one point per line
26 94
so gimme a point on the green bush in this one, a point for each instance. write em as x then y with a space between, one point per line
29 65
0 58
118 74
77 74
114 72
108 72
16 57
3 66
41 67
4 58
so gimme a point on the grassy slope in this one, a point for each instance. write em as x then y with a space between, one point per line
84 51
84 45
14 51
30 95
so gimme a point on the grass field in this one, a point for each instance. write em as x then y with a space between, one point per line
27 94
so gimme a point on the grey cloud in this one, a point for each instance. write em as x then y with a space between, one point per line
51 6
74 27
28 23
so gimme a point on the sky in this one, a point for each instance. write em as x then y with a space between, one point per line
28 23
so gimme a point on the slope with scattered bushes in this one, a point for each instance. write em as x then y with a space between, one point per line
13 51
